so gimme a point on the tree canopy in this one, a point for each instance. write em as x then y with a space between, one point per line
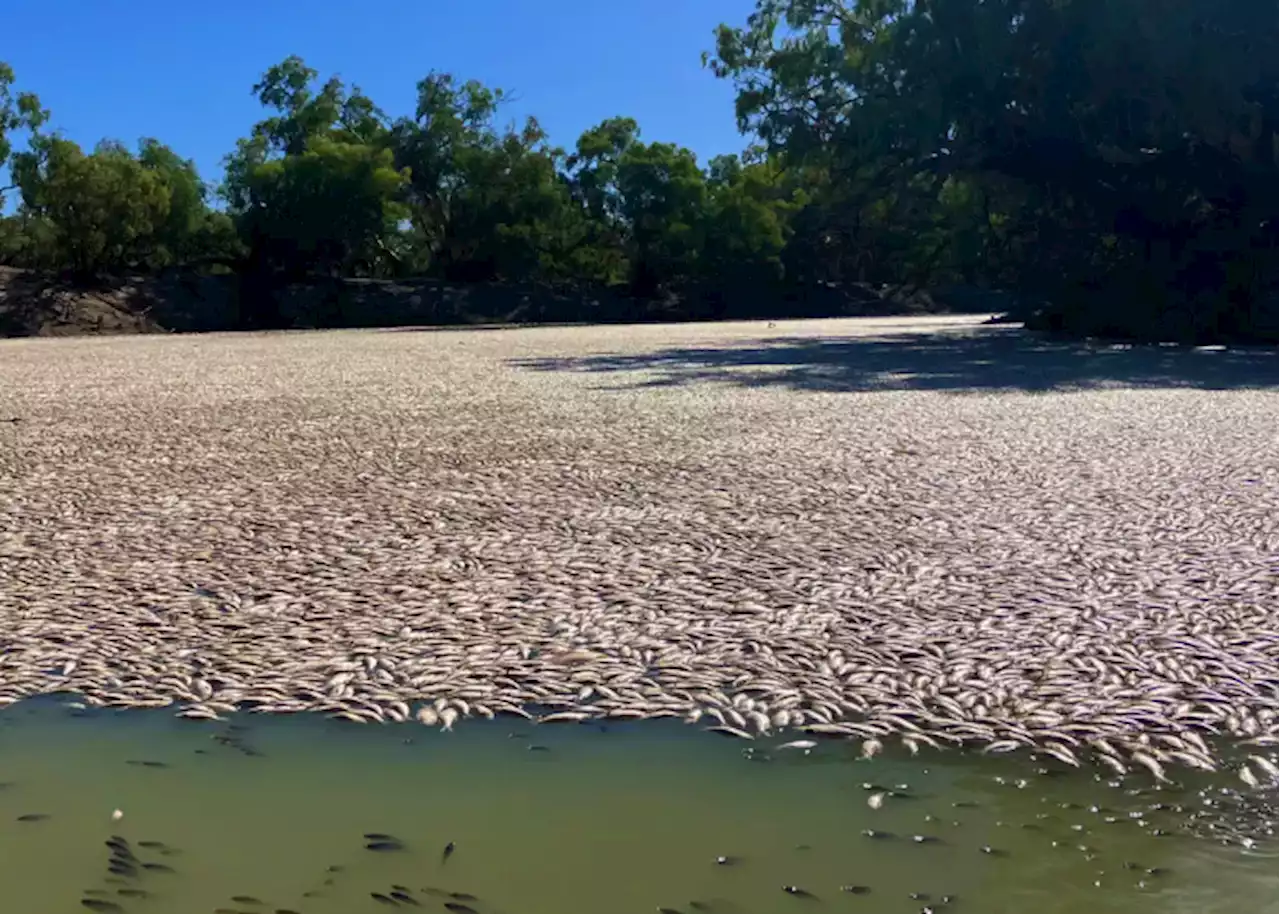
1111 162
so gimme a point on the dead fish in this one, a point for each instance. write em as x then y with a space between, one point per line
384 846
798 744
448 852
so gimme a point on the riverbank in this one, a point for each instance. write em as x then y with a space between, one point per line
37 304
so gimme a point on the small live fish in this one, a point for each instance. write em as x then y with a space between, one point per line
384 846
448 851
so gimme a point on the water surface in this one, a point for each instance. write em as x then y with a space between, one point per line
570 819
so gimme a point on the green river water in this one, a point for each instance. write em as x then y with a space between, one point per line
264 814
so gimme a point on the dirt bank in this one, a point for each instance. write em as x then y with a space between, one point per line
33 304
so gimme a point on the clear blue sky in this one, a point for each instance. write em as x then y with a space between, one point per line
182 71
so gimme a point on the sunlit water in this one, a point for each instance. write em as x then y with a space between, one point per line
270 814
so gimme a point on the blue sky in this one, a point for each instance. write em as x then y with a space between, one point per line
182 71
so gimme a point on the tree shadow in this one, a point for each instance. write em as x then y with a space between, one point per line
971 360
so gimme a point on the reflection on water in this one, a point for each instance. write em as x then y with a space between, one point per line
265 814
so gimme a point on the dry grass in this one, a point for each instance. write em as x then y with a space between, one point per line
676 519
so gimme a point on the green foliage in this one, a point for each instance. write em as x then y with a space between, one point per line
1109 158
315 187
101 211
485 203
17 112
1078 149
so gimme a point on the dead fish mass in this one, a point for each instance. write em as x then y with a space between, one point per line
421 528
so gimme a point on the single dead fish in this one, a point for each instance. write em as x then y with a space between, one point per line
799 744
